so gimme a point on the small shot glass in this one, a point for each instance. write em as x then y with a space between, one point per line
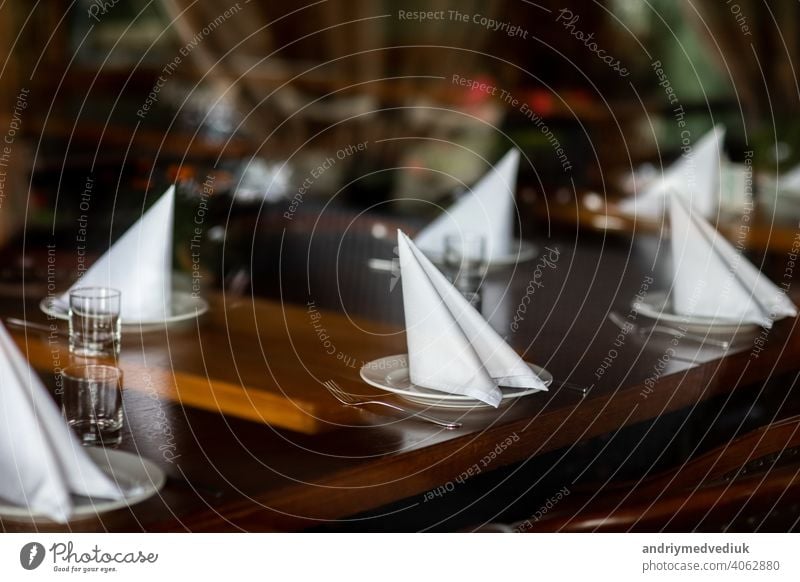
91 401
465 261
94 322
474 298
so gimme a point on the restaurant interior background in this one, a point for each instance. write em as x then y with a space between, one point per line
301 136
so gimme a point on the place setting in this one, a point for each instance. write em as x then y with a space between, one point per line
455 360
487 210
717 298
69 463
65 463
139 267
701 169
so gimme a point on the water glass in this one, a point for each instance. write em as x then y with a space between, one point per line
465 261
91 401
94 322
474 298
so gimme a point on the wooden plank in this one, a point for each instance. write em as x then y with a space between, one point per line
200 372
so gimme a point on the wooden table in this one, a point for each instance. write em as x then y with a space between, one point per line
233 403
591 211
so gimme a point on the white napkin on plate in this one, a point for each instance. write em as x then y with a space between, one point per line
712 279
488 209
791 180
139 265
780 193
451 347
696 176
41 461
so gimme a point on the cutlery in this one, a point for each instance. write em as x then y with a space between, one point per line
350 400
646 330
574 387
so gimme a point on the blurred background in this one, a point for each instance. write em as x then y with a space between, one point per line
279 120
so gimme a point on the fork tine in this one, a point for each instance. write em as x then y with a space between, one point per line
331 390
345 396
337 392
331 386
352 400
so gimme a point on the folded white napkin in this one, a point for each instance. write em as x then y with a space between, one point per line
451 348
712 279
139 265
735 187
775 190
791 180
695 175
41 461
488 209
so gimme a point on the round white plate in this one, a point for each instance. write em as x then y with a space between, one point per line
184 306
130 471
521 251
656 306
391 374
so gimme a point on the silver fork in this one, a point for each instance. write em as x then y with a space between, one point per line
351 400
644 330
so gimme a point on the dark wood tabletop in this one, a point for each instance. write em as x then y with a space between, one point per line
231 406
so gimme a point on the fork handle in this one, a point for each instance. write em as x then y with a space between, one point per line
689 336
419 415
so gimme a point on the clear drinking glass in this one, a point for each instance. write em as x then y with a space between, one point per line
465 262
474 298
91 401
94 324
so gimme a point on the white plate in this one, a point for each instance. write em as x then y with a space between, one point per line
391 374
130 471
184 306
656 306
522 251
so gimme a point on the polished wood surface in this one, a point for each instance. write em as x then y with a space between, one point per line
747 484
764 231
234 411
216 364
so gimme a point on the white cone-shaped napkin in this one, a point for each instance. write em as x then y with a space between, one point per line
712 279
451 347
785 185
791 180
139 265
41 461
488 209
696 176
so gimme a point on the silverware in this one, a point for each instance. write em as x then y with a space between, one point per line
646 330
574 387
350 400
